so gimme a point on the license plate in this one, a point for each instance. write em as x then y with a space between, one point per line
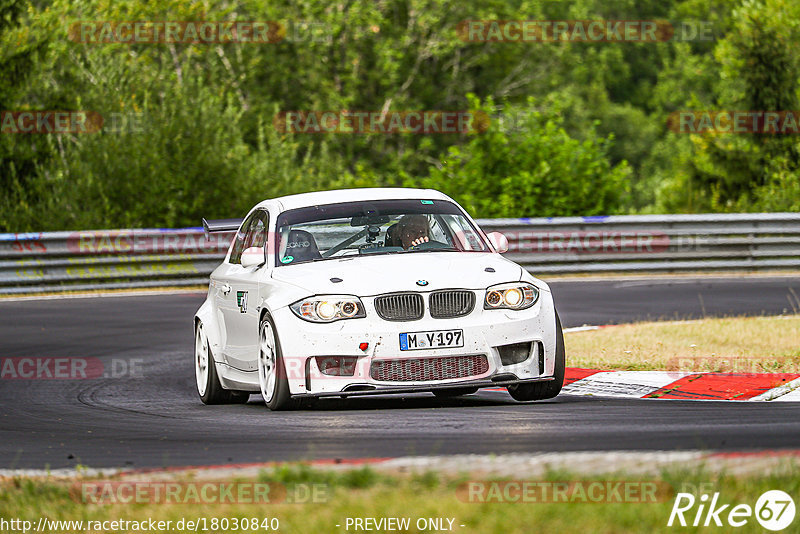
433 339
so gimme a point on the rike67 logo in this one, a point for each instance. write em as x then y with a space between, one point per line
774 510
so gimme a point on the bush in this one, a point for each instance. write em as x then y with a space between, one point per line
534 169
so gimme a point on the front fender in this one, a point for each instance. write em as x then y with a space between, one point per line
275 297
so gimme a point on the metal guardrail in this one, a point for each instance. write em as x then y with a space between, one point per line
55 261
78 261
653 243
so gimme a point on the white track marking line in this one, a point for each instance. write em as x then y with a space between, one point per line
630 384
786 392
580 329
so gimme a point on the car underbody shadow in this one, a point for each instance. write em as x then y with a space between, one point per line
412 401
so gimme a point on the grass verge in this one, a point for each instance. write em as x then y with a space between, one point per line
365 493
739 344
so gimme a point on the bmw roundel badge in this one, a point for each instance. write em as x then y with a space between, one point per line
422 283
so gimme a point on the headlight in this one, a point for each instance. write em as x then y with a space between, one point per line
513 296
328 308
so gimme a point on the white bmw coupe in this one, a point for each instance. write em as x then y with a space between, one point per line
368 292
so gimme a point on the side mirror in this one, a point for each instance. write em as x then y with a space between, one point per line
253 256
498 241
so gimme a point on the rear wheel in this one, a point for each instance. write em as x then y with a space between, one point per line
208 385
454 392
544 390
271 369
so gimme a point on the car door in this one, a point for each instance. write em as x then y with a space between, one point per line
238 296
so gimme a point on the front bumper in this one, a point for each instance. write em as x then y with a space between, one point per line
484 330
388 390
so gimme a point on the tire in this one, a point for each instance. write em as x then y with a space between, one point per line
208 386
454 392
544 390
272 379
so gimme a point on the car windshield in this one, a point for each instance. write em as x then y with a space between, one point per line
374 227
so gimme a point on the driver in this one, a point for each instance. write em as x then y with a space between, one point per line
391 239
413 230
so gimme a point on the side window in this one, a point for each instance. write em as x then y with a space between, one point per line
257 233
245 236
437 232
462 233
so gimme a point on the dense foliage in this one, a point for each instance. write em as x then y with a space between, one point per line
576 127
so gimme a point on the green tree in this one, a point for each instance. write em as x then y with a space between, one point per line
534 170
759 66
20 51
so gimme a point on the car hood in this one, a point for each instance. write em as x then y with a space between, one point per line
373 275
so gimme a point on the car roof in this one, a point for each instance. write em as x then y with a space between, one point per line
302 200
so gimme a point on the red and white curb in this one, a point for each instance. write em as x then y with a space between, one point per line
683 385
501 465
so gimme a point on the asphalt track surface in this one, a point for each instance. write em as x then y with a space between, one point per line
156 419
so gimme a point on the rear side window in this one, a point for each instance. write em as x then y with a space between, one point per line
252 233
257 233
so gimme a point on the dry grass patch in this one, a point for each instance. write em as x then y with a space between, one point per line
738 344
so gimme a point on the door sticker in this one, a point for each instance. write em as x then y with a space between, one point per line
241 301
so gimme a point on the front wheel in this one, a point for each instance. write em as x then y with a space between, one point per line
208 387
544 390
271 369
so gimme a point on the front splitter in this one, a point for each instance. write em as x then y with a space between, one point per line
380 390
